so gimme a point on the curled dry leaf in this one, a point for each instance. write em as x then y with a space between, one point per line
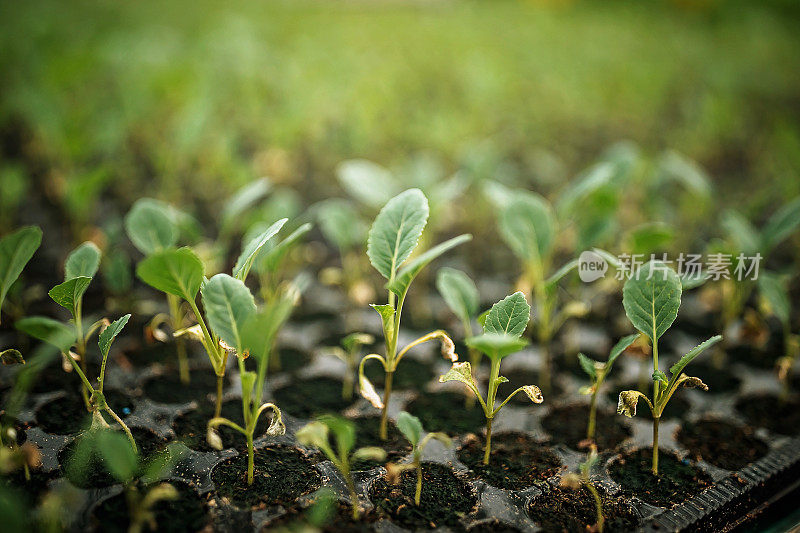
691 382
213 439
368 392
534 393
627 402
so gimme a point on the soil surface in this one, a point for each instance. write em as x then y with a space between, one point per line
282 474
68 415
768 411
492 525
168 388
289 360
445 498
186 513
410 374
446 411
308 398
517 461
676 482
191 426
335 519
367 434
567 425
574 511
722 444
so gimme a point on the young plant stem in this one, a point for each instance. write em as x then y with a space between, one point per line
488 449
180 346
387 392
218 404
418 492
123 425
351 488
598 503
80 347
656 415
250 458
656 420
494 373
590 430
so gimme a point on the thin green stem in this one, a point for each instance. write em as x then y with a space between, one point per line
488 448
598 504
387 392
418 492
123 425
656 420
176 316
218 402
590 430
250 458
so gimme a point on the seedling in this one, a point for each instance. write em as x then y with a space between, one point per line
179 272
317 434
503 327
152 228
392 238
348 353
598 372
16 249
775 301
411 428
232 315
528 227
461 295
651 297
574 481
125 465
342 226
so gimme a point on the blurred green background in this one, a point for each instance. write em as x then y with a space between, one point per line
103 102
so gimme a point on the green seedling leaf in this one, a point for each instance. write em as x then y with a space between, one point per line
677 167
553 280
740 231
620 347
651 298
410 271
344 432
313 434
459 372
48 330
270 260
108 335
260 329
369 453
689 282
496 345
228 304
175 271
367 182
527 226
356 339
481 320
588 366
774 294
83 261
650 238
11 357
386 312
459 291
509 316
410 426
151 226
16 249
162 463
69 293
396 231
242 200
678 367
340 224
251 250
780 225
658 375
117 454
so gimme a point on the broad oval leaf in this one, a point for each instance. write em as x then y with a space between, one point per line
496 345
259 330
396 231
83 261
410 426
509 316
528 227
694 352
250 251
651 298
459 291
228 304
340 224
151 226
48 330
175 271
404 278
367 182
69 293
589 366
16 249
108 335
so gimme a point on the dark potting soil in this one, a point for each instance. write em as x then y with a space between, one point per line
574 511
676 482
677 408
191 426
53 378
517 461
368 434
722 444
719 380
567 425
289 359
185 513
492 525
768 411
97 475
307 398
339 518
168 388
410 374
446 411
445 498
67 415
32 489
282 474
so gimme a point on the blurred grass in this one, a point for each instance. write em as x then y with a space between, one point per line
188 100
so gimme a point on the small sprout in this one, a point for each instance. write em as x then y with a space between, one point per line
16 249
411 428
574 481
598 372
503 325
317 435
651 298
348 353
392 238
